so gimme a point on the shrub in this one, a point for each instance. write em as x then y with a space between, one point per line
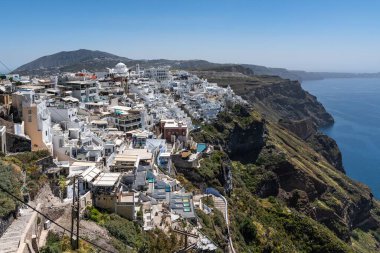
248 230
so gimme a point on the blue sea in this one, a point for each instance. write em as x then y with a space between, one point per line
355 106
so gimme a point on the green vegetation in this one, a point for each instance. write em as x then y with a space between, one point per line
27 158
364 242
128 236
210 170
11 168
253 176
10 180
214 226
267 224
126 231
248 230
60 244
288 198
97 216
208 201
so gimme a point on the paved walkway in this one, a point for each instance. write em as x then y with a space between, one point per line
10 240
220 205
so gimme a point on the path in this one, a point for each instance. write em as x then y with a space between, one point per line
11 238
221 204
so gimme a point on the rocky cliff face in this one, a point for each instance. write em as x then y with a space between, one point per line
285 101
271 161
308 182
242 140
328 148
299 112
302 128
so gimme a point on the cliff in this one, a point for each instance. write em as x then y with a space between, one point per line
283 101
290 194
327 147
277 98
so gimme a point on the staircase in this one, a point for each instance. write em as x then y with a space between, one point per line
10 240
220 205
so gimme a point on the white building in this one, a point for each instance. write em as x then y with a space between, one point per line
66 115
159 74
85 91
36 117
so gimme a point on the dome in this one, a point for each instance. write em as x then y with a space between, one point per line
121 68
120 65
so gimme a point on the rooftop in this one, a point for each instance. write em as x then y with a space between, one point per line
126 158
90 173
143 153
107 179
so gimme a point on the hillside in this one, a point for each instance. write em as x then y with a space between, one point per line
99 61
282 101
61 61
285 196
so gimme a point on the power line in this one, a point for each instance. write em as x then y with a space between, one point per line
2 63
47 217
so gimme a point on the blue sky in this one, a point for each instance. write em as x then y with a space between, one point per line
329 35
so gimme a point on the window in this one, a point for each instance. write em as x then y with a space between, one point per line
30 118
29 111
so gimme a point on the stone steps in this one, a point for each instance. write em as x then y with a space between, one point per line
220 205
11 246
10 240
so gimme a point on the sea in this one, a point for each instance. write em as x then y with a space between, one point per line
355 105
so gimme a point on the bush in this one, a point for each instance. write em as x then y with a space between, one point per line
97 216
10 180
58 244
126 231
248 230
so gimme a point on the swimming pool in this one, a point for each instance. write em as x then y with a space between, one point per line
201 147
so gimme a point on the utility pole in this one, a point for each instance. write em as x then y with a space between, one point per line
75 215
78 214
72 217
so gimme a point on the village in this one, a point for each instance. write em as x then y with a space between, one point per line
115 139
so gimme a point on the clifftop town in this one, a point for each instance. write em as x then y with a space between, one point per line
166 156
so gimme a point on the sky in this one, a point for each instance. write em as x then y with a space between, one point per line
323 35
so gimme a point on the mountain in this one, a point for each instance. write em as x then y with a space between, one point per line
76 60
98 61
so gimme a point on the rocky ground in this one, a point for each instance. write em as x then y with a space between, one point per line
60 212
